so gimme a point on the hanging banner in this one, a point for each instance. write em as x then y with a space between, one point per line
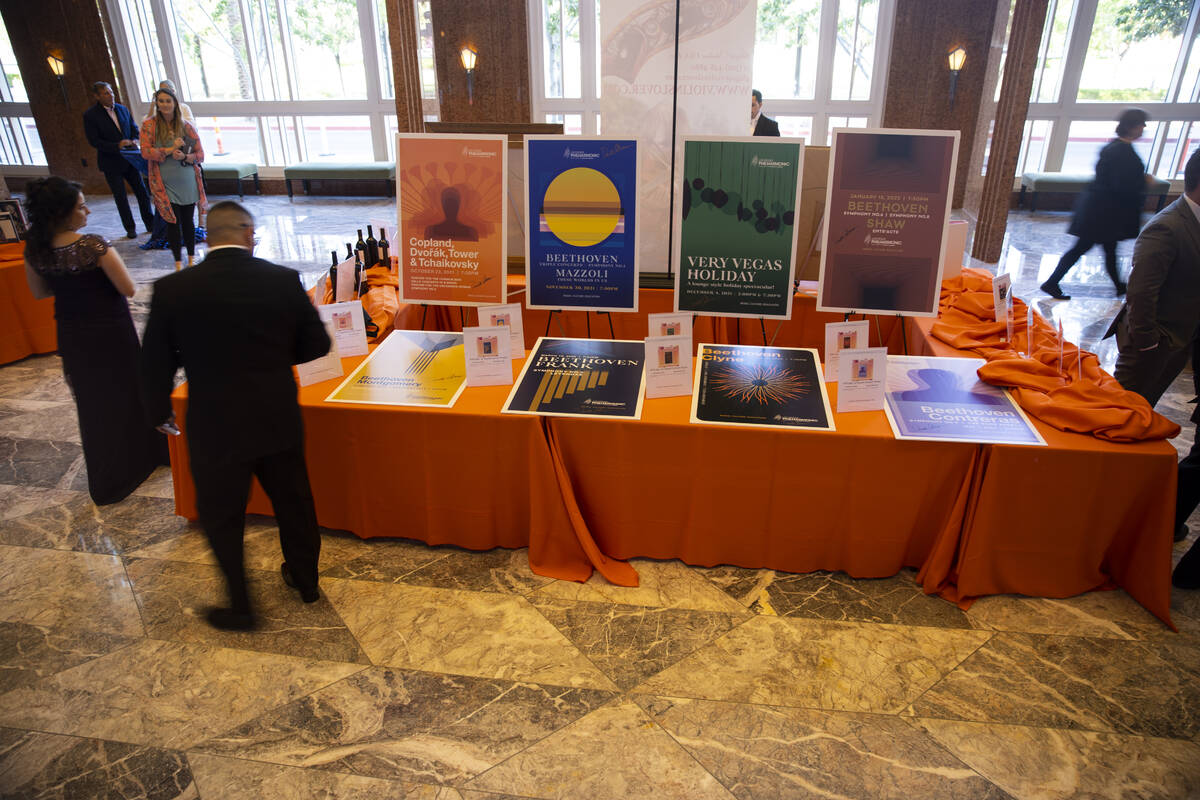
778 387
581 248
452 212
887 208
409 368
735 242
580 378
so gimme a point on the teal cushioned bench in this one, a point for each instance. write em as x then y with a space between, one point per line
1074 183
308 171
226 170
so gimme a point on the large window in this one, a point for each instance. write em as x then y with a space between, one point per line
19 141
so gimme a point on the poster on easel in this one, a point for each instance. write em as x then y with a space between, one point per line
776 387
581 249
734 248
887 210
452 212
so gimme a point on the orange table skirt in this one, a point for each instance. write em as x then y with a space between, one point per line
26 325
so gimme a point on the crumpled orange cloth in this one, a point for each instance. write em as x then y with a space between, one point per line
381 301
1054 393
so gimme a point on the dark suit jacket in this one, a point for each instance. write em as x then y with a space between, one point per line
766 126
236 324
1111 208
1163 304
106 137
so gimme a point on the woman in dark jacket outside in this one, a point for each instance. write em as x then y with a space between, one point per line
1110 210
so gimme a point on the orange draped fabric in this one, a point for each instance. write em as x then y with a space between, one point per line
381 302
26 325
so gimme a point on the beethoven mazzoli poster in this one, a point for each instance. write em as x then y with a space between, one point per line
581 249
761 386
451 209
580 377
887 207
409 368
735 237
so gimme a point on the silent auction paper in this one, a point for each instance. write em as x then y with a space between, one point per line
956 249
327 367
347 325
1002 296
580 378
668 366
862 376
669 324
760 386
508 315
841 336
489 356
942 399
410 368
343 292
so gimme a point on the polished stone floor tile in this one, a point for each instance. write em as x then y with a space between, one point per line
38 378
386 560
614 753
1109 685
815 664
661 584
67 591
45 766
771 751
157 485
495 570
173 597
1052 763
165 694
30 652
17 501
34 462
80 524
400 724
1107 614
631 643
485 635
38 419
236 779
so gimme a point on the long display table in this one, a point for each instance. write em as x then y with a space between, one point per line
26 325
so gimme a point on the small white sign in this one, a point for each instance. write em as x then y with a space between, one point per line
326 367
344 290
1002 296
508 315
669 325
955 254
668 365
349 327
862 376
489 356
841 336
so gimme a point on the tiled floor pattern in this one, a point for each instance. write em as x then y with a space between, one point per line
436 673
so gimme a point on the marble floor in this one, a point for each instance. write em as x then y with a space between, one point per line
433 672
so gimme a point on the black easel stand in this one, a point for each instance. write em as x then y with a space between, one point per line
424 311
762 325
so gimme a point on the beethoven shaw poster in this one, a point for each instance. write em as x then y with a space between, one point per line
410 368
581 249
887 206
451 208
580 377
761 386
735 243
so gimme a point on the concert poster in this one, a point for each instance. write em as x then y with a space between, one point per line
778 387
409 368
580 378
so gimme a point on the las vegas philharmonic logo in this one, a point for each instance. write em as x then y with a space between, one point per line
577 155
761 161
471 152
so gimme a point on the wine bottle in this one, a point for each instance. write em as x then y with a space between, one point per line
349 251
384 248
333 273
372 254
358 268
360 244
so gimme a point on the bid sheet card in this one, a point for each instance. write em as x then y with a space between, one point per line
841 336
489 356
668 366
347 327
581 249
410 368
508 315
735 237
862 375
451 207
324 368
887 207
942 399
760 386
669 324
580 378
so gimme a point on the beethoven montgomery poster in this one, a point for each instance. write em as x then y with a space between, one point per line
410 368
942 399
581 247
451 208
761 386
887 206
580 377
735 237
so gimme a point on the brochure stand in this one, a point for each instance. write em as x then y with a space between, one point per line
588 321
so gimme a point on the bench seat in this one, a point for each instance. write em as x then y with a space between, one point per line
1074 183
233 171
307 171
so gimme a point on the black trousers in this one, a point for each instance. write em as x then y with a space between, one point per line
222 489
182 233
1075 253
116 185
1187 492
1147 372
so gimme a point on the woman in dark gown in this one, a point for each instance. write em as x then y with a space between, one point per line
96 338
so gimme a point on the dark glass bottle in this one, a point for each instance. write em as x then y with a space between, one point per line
384 248
372 249
349 251
333 273
358 269
360 244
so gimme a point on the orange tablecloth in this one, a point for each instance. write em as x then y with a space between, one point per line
26 325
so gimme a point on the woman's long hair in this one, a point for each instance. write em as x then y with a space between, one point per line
48 204
173 126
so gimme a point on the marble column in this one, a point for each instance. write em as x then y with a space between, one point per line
406 76
1024 39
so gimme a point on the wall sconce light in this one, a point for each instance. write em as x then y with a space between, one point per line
957 57
469 55
57 67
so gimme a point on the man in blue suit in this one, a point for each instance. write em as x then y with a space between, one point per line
110 129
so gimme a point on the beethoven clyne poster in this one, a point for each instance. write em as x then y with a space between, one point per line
763 386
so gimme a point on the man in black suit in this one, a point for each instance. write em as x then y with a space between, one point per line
760 125
110 129
237 324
